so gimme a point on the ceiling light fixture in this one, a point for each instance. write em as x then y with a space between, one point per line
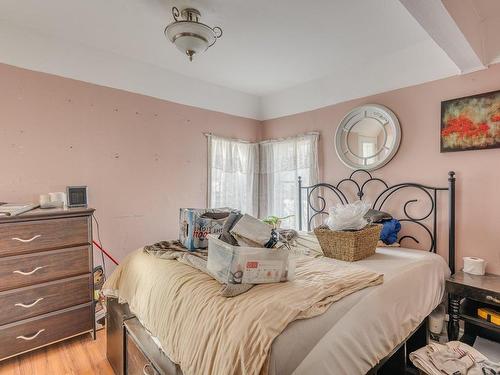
190 35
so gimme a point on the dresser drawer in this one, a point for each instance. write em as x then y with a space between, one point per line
30 269
29 236
32 333
136 361
19 304
141 352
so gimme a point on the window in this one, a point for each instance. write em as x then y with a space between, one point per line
281 164
235 181
233 174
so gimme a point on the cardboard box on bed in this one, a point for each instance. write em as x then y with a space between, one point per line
195 224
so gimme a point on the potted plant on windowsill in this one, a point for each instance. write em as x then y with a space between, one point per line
275 221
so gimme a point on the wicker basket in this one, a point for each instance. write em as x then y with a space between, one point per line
349 245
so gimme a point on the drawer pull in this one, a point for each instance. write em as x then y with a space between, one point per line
30 304
31 337
493 299
145 369
28 273
28 240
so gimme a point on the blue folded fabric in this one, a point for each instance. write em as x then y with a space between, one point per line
390 230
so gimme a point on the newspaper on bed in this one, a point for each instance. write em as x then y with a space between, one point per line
14 209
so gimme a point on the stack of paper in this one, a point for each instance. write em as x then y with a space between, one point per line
13 209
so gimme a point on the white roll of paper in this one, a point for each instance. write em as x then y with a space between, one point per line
44 199
474 266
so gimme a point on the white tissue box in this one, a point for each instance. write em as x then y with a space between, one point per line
474 266
248 265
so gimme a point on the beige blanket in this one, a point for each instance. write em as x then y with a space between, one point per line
208 334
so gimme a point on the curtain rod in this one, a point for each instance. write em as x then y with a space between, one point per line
264 141
290 137
208 135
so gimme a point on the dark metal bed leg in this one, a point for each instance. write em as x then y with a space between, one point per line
451 237
417 340
453 300
397 362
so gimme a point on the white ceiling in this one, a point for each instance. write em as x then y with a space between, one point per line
275 57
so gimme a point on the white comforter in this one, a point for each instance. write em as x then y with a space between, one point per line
356 332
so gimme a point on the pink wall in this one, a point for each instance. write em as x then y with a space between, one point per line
141 157
419 159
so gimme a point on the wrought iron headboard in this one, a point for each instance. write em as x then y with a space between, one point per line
316 205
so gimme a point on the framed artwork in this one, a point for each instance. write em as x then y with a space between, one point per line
471 123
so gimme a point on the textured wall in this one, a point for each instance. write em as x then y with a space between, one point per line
141 157
418 109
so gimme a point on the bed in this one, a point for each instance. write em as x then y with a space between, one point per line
370 331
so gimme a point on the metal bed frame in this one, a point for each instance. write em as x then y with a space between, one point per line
317 204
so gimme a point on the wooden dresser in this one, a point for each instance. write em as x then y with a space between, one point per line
46 281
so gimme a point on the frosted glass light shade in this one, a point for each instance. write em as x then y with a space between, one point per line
190 37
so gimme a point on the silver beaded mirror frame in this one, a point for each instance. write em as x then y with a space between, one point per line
368 137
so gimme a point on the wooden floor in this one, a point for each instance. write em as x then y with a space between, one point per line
79 355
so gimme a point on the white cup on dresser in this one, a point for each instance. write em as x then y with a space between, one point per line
59 197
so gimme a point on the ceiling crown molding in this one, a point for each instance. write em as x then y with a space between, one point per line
431 46
76 61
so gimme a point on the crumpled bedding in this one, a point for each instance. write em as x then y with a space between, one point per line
298 243
205 333
174 250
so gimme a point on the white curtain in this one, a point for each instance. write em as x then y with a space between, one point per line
281 163
233 173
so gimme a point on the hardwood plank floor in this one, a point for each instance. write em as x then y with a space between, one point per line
77 356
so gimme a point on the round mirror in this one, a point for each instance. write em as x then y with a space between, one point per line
368 137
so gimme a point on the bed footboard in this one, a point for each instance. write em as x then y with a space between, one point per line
128 343
115 316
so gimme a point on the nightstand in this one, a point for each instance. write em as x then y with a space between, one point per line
466 294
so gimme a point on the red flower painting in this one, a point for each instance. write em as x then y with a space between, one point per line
471 123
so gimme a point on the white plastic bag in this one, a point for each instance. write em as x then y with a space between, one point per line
348 216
